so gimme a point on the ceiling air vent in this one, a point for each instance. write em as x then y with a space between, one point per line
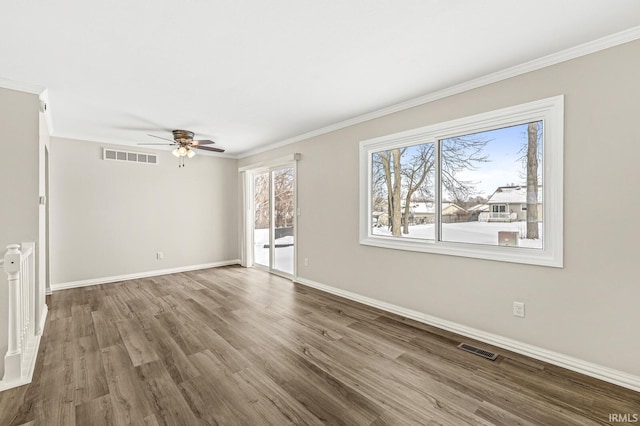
109 154
130 157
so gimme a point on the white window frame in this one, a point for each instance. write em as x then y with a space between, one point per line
551 112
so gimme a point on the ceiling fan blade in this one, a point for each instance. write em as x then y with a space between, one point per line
163 144
208 148
160 137
203 142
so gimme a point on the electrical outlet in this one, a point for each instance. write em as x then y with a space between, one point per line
518 309
306 261
159 255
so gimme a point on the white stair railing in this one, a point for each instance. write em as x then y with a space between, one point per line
25 317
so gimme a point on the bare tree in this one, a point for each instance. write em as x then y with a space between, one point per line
379 186
392 167
283 181
261 201
403 179
458 154
283 185
532 181
530 158
416 173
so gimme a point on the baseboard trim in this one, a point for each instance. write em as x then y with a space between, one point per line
138 275
36 346
606 374
10 384
43 318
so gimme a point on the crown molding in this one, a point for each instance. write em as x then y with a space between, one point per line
35 89
584 49
533 65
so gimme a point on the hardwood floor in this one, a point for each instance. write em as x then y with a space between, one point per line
235 346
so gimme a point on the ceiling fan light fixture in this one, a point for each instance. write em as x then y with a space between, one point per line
185 145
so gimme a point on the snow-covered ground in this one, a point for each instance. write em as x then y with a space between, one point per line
467 232
283 255
470 232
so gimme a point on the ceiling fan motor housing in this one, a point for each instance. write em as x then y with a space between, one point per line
182 136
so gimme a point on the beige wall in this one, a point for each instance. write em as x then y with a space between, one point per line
19 133
109 218
588 310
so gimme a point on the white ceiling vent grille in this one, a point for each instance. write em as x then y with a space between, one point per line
130 157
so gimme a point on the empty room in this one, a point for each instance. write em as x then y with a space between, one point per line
304 213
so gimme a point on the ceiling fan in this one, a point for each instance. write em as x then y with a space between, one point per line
185 145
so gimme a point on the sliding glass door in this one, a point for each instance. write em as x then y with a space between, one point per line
274 218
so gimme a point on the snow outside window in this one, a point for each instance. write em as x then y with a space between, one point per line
486 186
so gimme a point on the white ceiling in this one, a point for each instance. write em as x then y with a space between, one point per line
249 73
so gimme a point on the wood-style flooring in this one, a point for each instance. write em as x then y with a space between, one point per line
235 346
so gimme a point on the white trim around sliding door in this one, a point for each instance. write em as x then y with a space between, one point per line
248 174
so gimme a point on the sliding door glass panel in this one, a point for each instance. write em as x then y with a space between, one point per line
261 219
283 217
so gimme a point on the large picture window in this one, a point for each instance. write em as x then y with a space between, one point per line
486 186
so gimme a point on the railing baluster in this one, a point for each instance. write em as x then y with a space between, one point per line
12 263
22 344
32 292
24 272
27 292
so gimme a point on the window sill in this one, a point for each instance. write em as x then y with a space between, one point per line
529 256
